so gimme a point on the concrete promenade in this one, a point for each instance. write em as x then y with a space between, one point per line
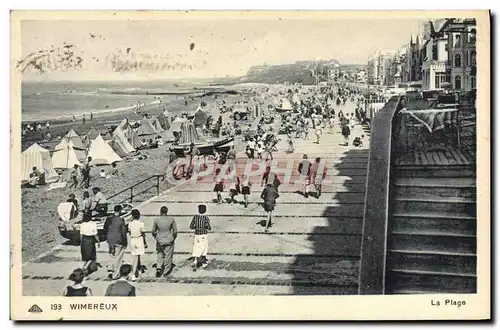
312 248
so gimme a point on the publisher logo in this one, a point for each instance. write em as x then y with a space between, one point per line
35 309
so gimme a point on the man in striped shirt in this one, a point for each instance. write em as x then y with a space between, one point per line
201 226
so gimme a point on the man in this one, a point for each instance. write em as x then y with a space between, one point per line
86 174
251 148
74 176
269 195
201 226
304 171
165 232
100 204
116 233
121 288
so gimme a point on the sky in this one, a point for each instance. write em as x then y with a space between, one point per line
220 47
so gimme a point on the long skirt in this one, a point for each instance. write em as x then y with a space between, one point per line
87 248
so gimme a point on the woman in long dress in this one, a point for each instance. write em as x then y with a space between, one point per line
88 240
77 289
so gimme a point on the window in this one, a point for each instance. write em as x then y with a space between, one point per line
473 57
434 52
439 78
472 82
458 61
472 36
466 59
457 40
458 82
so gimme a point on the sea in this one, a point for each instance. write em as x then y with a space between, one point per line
61 100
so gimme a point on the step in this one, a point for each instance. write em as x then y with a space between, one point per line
443 283
293 225
438 225
451 171
444 204
436 182
238 211
333 187
254 197
397 259
245 270
259 243
423 192
179 287
433 215
446 244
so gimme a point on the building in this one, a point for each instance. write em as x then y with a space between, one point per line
372 69
435 58
461 47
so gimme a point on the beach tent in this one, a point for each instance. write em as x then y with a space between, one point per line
189 134
102 153
146 127
157 125
65 143
120 143
200 117
36 156
77 141
164 120
129 133
177 123
65 156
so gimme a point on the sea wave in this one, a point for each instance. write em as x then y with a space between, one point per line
80 112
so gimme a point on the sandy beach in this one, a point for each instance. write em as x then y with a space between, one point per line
39 207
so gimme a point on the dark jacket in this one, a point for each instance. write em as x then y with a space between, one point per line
269 195
164 229
120 288
116 230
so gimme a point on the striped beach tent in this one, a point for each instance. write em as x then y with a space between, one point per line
129 133
36 156
146 127
189 134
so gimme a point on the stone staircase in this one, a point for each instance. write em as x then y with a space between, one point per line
432 231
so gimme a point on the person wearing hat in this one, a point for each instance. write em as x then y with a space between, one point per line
201 226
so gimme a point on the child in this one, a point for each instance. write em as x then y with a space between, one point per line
245 190
201 226
219 186
235 189
318 133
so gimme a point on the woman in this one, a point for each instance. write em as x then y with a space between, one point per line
137 242
219 185
77 289
269 195
88 239
245 190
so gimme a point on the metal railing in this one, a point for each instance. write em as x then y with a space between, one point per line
130 189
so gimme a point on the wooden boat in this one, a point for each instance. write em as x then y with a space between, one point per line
206 148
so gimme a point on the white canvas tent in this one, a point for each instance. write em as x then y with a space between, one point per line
177 123
77 141
65 156
102 153
286 105
36 156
